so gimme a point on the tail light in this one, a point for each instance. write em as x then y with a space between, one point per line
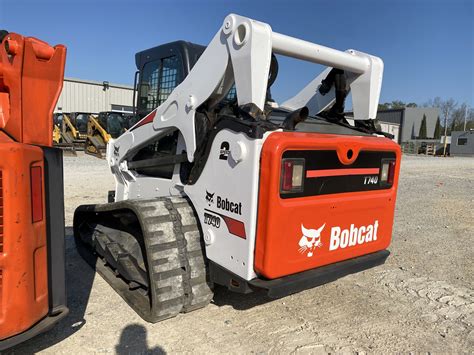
387 173
292 175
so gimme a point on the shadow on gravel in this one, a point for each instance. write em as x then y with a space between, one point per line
79 279
224 297
133 340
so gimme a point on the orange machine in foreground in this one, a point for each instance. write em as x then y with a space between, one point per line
32 269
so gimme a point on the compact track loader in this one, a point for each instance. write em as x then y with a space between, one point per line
75 126
72 131
57 123
101 128
65 134
69 133
242 192
32 264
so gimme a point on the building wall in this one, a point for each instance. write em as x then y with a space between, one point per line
391 128
390 116
391 122
462 150
409 120
93 96
412 118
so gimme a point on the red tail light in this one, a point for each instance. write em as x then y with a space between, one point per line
391 172
36 193
292 175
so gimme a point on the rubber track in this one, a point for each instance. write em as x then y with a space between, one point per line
174 255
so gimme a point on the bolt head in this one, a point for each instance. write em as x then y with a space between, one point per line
228 24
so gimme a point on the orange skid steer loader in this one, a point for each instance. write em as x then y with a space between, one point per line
32 268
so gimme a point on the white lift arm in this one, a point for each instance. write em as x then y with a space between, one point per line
241 52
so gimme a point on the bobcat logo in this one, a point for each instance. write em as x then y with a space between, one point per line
310 240
116 150
209 197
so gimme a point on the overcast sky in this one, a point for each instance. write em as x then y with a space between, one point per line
427 46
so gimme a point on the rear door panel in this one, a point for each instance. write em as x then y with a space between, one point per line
343 211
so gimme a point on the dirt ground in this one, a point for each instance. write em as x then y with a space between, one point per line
421 300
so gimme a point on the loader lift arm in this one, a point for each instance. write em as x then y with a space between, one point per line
241 52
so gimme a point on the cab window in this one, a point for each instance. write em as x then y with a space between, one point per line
158 79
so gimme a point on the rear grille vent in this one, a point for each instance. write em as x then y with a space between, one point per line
1 212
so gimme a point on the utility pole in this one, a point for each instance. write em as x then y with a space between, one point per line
446 113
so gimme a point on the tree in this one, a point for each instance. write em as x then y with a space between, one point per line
459 116
437 131
422 132
453 125
384 106
397 104
446 108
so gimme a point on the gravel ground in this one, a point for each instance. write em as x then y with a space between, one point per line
421 300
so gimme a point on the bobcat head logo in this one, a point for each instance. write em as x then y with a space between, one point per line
116 150
209 197
310 240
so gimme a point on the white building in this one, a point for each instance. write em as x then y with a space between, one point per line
93 96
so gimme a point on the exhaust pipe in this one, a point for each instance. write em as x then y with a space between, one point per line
295 117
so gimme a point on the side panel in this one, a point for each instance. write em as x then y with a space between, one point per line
225 199
54 192
343 211
23 258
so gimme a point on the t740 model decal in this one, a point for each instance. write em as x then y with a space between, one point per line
234 226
